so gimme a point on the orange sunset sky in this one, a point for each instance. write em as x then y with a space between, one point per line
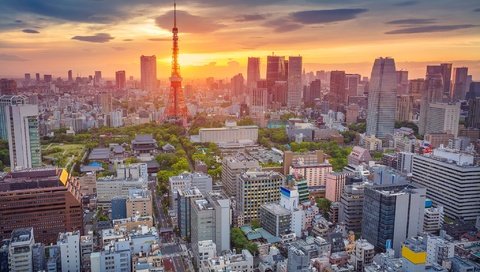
217 36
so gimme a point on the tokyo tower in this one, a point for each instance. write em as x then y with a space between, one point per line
176 109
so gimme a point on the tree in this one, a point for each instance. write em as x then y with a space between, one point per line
324 205
255 223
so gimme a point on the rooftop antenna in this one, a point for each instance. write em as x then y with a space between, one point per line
175 14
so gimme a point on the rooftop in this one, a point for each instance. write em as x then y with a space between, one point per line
21 235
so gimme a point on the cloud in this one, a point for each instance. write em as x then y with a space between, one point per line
30 31
187 22
430 29
251 17
6 57
412 21
160 39
325 16
118 48
282 25
405 3
97 38
127 40
477 10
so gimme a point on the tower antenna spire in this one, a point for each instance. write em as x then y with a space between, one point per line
174 13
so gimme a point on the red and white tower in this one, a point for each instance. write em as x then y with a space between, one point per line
176 110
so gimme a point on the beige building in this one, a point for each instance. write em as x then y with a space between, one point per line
404 108
139 202
230 133
88 184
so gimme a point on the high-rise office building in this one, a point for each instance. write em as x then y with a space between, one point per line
39 197
295 86
432 93
473 119
334 185
120 80
392 214
350 210
27 77
402 82
404 108
23 136
460 86
20 250
351 84
257 188
69 244
338 93
259 98
210 220
98 77
446 71
416 87
8 87
70 76
253 72
276 71
382 97
235 165
5 102
275 219
443 117
184 209
237 87
314 91
454 186
148 72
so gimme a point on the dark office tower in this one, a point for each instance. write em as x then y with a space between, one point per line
120 80
352 81
47 78
294 80
315 90
416 87
474 90
8 86
27 77
280 92
42 199
432 93
460 78
382 98
446 76
98 77
37 77
402 82
148 71
473 119
392 213
253 72
237 86
275 71
70 76
338 94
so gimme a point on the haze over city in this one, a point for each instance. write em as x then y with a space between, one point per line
218 36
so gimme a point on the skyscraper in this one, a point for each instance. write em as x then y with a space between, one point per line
5 102
295 86
8 86
443 117
432 93
460 78
351 84
382 97
473 119
446 76
402 82
98 77
338 93
275 72
404 108
148 72
253 72
70 76
23 136
237 86
176 109
120 80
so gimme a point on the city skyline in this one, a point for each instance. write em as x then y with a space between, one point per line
217 37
